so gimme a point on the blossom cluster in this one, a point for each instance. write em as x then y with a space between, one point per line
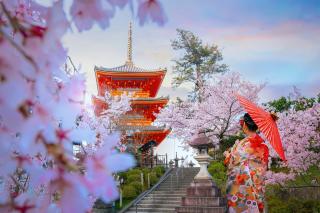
300 136
218 112
42 110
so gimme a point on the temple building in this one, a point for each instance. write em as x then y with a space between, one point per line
142 85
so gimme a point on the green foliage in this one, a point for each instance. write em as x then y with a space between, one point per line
135 171
219 174
285 103
198 62
128 191
312 174
293 205
228 142
133 177
153 178
281 200
159 170
280 105
123 175
137 186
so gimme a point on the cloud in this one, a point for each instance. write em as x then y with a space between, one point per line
283 51
274 91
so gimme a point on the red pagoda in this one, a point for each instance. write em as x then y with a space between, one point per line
143 86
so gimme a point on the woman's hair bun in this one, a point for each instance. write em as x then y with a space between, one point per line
252 126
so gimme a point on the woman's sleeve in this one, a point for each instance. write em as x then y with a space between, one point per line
227 155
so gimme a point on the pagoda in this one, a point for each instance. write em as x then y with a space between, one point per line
142 85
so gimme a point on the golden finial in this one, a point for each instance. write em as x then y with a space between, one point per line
129 53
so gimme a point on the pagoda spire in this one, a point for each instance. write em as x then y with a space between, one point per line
129 53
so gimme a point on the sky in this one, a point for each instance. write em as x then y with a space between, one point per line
277 42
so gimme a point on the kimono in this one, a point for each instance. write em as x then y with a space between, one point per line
247 162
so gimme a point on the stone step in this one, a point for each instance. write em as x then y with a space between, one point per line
148 201
165 195
155 198
174 191
175 184
174 187
175 181
203 201
158 205
197 209
152 209
186 185
178 193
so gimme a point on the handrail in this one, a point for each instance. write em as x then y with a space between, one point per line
145 193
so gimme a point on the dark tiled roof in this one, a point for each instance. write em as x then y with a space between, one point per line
127 67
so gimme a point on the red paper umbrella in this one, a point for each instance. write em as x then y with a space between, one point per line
265 122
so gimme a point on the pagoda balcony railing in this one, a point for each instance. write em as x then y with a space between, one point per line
153 161
131 93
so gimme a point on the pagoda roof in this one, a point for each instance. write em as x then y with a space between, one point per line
128 67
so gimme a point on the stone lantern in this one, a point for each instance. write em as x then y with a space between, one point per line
202 143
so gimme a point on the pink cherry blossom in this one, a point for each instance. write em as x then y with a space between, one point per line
300 137
42 113
151 10
120 3
218 113
86 12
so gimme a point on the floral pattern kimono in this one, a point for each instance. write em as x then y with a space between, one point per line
247 162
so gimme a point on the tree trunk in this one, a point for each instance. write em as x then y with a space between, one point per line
199 84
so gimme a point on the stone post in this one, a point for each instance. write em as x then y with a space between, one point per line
203 159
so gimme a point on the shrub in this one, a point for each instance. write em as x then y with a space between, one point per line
145 171
135 171
219 174
137 186
129 191
153 178
123 175
280 200
292 205
133 178
159 170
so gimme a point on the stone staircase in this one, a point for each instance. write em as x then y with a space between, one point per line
167 196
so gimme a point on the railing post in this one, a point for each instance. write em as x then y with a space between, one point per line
141 175
166 160
120 198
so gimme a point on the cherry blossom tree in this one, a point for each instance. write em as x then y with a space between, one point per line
300 135
217 114
41 108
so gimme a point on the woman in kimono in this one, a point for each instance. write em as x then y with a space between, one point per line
247 162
